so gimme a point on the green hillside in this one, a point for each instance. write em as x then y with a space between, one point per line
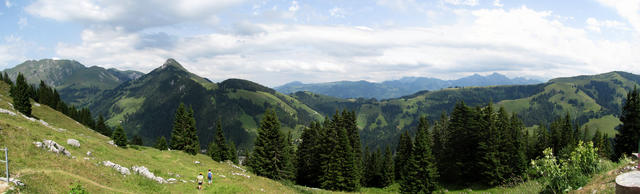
591 100
75 82
146 106
46 172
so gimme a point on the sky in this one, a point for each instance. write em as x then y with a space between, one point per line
279 41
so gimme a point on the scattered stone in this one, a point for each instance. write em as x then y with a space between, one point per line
123 170
28 118
234 166
36 104
197 162
86 158
192 181
240 174
222 176
89 153
52 146
73 142
14 181
110 142
183 181
141 170
7 112
172 180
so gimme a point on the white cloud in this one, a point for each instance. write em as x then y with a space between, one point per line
294 6
497 3
596 25
397 4
8 3
518 41
337 12
131 15
462 2
628 9
13 50
22 22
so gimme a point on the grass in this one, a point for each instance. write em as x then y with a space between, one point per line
128 106
605 125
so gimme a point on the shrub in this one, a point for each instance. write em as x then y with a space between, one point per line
563 175
77 189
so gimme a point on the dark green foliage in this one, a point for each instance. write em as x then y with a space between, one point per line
102 128
308 156
179 131
233 152
20 95
422 177
403 153
494 160
218 148
119 137
136 140
462 146
77 189
192 144
373 169
629 132
543 140
326 158
387 168
269 157
161 144
6 79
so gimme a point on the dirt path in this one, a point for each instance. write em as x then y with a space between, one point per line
33 171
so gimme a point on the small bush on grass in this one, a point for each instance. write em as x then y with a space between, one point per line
564 175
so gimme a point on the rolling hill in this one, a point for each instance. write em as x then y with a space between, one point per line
47 172
397 88
146 106
76 83
591 100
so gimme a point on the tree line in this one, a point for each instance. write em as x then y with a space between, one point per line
44 94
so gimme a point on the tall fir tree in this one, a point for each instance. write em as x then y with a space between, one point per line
351 126
268 158
387 168
493 159
308 162
119 137
626 141
21 95
137 140
192 144
221 144
403 153
101 127
179 128
233 152
161 144
424 173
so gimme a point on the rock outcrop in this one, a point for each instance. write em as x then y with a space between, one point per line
143 171
52 146
121 169
73 142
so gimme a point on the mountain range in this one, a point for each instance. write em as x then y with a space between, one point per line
397 88
145 105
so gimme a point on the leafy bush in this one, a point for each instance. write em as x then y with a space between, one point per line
77 189
564 175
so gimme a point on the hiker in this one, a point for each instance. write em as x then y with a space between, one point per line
200 180
209 176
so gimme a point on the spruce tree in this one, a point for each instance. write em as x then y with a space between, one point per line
21 96
119 137
192 144
221 143
387 168
268 158
492 163
424 174
179 128
101 127
308 156
349 119
626 141
137 140
213 151
403 153
233 153
161 144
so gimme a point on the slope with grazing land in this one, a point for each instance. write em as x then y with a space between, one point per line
47 172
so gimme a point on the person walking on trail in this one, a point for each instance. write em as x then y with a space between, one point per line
200 180
209 176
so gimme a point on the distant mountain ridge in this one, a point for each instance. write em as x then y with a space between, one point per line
75 82
398 88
